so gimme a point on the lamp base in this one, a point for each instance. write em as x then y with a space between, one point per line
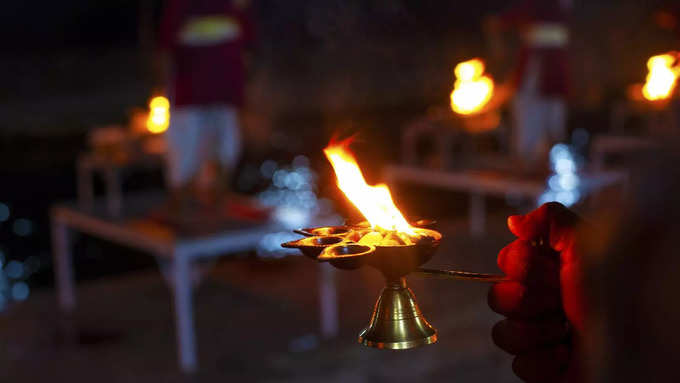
397 322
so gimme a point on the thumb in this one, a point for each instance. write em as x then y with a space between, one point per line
531 226
552 221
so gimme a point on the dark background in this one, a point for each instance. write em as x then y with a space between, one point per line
319 67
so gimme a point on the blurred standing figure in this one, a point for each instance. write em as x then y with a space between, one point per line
667 18
540 79
202 59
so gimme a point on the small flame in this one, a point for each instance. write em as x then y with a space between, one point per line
472 89
662 78
374 202
159 115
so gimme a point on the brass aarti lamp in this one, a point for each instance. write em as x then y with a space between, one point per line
397 322
386 242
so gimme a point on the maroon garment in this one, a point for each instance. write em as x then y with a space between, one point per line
553 61
207 73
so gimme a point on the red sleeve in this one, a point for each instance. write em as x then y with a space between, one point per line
248 26
169 25
519 14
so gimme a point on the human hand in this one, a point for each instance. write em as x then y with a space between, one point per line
542 299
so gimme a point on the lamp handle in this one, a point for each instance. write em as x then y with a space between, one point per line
460 275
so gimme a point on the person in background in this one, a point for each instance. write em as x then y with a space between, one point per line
202 53
540 81
667 18
596 301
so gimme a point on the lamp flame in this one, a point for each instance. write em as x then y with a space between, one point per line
159 115
374 202
662 78
472 89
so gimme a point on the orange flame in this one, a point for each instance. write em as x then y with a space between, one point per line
374 202
472 89
662 78
159 115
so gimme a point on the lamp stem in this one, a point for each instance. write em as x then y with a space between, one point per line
395 283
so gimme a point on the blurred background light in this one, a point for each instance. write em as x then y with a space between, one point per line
292 193
4 212
22 227
20 291
268 168
14 269
301 161
563 185
304 343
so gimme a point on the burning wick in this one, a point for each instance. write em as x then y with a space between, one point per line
389 227
379 237
472 89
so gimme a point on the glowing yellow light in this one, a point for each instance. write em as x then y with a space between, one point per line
159 115
374 202
469 70
662 77
472 89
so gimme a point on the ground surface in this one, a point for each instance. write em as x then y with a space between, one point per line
257 321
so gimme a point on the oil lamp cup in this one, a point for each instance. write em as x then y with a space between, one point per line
313 246
397 322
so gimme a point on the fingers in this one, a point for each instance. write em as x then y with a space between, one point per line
542 266
552 221
542 365
517 337
530 226
514 300
529 264
573 295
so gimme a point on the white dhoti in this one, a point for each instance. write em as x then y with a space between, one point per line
540 121
198 134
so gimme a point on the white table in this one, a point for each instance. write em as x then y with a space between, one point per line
606 145
479 184
89 163
133 228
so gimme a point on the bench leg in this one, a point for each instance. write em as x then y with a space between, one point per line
328 301
184 313
114 192
477 214
63 267
85 186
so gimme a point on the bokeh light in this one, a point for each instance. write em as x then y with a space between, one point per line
563 185
292 195
20 291
159 115
14 269
4 212
22 227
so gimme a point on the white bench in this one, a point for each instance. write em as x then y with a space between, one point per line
479 184
132 227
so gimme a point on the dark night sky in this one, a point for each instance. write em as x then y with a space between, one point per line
48 24
44 24
26 25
